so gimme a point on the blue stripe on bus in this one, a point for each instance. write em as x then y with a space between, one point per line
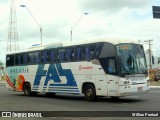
63 91
61 88
54 90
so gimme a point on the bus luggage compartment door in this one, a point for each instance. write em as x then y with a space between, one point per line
101 85
112 85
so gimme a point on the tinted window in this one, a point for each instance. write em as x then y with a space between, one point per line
108 50
92 50
108 65
70 54
18 60
25 58
62 55
111 66
30 58
80 53
10 60
45 56
85 52
52 55
37 57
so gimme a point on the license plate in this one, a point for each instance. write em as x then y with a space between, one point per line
140 88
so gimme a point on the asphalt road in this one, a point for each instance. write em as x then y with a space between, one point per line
16 101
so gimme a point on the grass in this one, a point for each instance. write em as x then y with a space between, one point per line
2 78
153 83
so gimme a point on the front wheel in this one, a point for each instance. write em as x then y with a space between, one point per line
90 92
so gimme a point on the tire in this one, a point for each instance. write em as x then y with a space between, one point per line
27 90
90 92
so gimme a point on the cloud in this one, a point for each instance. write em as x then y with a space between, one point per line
107 18
4 1
112 5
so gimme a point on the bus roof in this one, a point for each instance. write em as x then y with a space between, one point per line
69 43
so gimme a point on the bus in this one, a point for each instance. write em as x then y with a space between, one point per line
93 69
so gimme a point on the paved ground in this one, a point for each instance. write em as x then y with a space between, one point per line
16 101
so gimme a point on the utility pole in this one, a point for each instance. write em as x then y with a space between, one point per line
150 53
12 43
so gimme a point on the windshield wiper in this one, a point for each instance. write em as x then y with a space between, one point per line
125 70
142 66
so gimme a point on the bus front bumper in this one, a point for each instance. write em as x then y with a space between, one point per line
133 90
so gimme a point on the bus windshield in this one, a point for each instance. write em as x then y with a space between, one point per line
131 59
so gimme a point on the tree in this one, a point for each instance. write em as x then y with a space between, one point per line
1 68
1 65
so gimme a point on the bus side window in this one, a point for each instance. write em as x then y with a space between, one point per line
52 56
18 59
70 54
87 53
44 56
92 50
25 58
36 57
30 58
80 53
62 55
111 66
10 60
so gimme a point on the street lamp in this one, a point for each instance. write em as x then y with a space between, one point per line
35 21
72 27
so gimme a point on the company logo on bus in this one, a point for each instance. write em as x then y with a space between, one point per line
85 67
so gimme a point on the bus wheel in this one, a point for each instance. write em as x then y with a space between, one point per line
90 93
27 89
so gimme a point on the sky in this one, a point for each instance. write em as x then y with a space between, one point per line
122 19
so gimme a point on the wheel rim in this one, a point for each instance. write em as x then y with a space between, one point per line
27 89
89 93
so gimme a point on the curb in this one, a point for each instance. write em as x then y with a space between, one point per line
154 86
2 81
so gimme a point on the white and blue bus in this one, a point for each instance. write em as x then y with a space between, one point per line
94 69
